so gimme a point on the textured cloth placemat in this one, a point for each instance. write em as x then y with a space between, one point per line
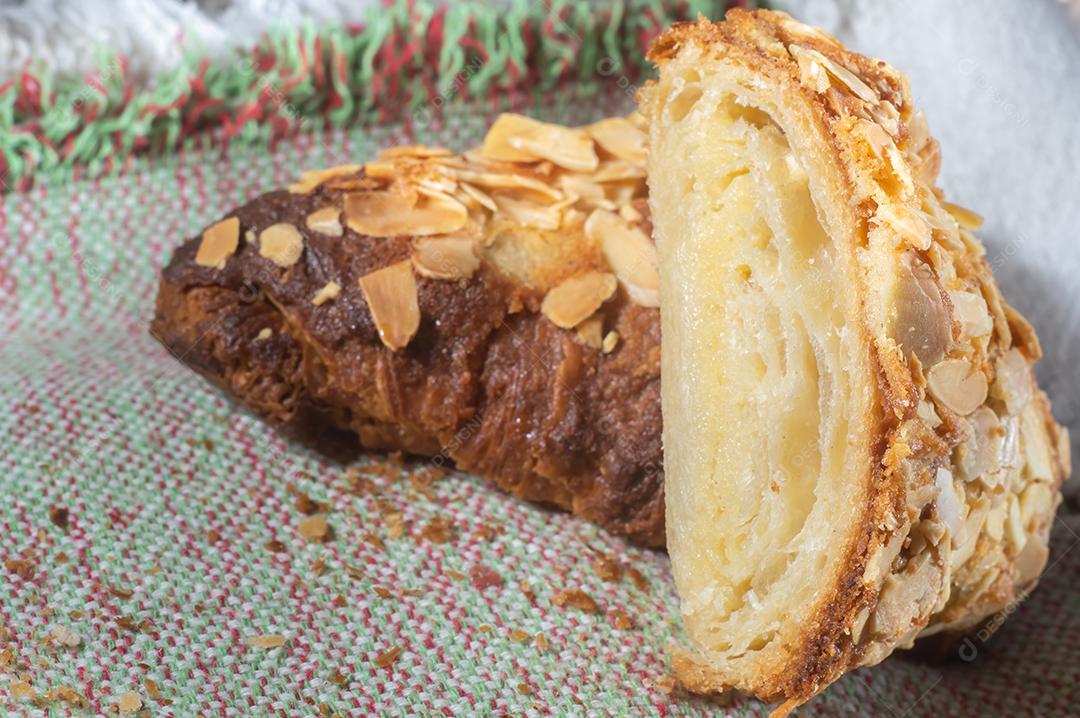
156 548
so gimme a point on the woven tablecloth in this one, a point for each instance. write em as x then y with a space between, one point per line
150 529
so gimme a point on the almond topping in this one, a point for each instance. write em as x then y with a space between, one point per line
963 216
445 257
394 213
621 138
529 214
219 242
909 226
267 641
419 151
390 293
326 221
591 331
311 179
515 138
971 311
630 254
610 342
329 291
841 73
281 243
314 528
129 702
957 385
576 298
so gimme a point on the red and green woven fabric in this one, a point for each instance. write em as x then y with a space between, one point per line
150 530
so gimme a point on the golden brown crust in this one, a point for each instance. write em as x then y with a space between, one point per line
484 380
952 360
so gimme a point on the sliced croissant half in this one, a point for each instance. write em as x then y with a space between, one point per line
856 453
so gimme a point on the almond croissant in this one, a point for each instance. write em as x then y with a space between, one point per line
496 308
856 452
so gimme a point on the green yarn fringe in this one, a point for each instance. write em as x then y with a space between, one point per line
408 60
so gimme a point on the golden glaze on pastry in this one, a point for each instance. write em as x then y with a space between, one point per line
856 452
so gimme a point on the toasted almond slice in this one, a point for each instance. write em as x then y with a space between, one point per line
219 242
326 221
445 257
393 212
621 138
567 147
958 385
617 171
391 297
272 640
576 298
841 73
530 214
591 331
382 169
964 217
611 340
508 181
329 291
479 195
630 254
515 138
311 179
281 243
630 214
421 151
581 186
909 227
971 311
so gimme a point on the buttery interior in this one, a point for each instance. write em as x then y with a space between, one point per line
758 395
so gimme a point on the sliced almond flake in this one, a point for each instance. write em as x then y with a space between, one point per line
383 169
581 186
391 297
617 171
630 214
311 179
591 331
909 226
479 195
630 254
325 221
516 138
841 73
964 217
282 244
621 138
566 147
64 636
329 291
421 151
272 640
611 340
530 214
958 385
314 528
445 257
505 180
971 311
219 242
393 213
576 298
129 702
